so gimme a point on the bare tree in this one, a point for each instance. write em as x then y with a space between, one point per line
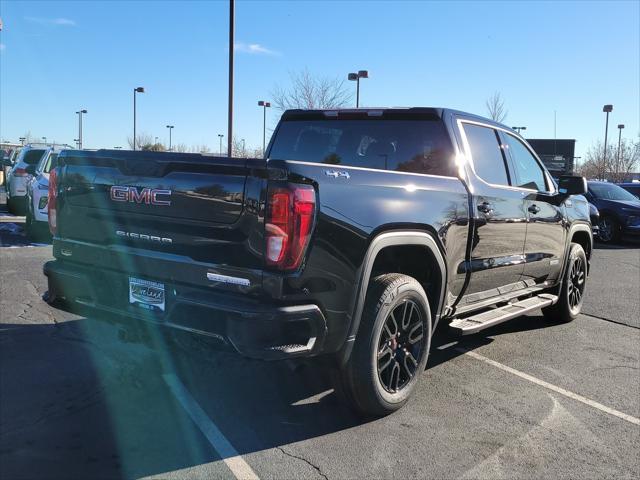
179 147
309 92
30 138
141 139
627 160
496 108
154 147
597 167
239 148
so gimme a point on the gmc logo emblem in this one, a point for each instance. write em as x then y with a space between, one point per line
148 196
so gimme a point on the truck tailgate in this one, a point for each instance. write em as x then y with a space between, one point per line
186 204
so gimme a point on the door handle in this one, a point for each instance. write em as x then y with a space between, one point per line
533 208
485 207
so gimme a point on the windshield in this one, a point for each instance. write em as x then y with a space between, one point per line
609 191
32 157
50 163
418 146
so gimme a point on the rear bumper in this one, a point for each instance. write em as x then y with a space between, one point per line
253 328
18 187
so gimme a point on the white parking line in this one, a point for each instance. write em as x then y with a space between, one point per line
561 391
240 469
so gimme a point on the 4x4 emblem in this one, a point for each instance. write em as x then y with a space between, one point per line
336 174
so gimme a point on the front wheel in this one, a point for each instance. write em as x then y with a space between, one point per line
391 347
572 288
608 230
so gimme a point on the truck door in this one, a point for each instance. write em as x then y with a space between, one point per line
499 214
544 245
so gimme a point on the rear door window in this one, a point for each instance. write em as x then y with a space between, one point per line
486 154
416 146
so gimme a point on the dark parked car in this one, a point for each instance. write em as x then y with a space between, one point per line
594 215
619 210
632 187
358 234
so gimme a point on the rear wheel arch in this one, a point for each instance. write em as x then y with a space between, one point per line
430 270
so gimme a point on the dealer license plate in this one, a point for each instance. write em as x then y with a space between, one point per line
146 294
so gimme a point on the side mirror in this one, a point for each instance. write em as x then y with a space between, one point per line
31 169
572 185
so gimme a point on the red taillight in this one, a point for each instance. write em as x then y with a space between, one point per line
290 214
53 196
20 172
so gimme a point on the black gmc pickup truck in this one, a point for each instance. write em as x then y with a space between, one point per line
358 234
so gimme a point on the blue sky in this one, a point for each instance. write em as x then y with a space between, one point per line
55 57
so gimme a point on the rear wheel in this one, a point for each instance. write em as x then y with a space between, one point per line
572 288
391 347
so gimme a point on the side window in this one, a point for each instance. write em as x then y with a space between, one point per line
486 154
528 172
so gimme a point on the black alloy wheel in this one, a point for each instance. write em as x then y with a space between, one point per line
400 347
576 283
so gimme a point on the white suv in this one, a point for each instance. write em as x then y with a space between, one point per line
37 220
19 177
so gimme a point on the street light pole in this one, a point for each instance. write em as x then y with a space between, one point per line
170 127
264 105
135 90
608 109
22 139
80 112
232 6
220 137
620 127
356 77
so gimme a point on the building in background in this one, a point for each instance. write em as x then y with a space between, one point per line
557 155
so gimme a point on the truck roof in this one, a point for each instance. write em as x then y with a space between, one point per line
389 112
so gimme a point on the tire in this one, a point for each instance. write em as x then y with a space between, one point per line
10 206
608 229
29 226
383 369
572 288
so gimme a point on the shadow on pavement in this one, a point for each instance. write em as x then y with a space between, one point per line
12 234
446 346
87 398
79 400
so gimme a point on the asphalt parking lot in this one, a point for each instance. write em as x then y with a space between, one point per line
526 399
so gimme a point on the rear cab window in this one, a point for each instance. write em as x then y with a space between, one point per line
32 157
396 144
